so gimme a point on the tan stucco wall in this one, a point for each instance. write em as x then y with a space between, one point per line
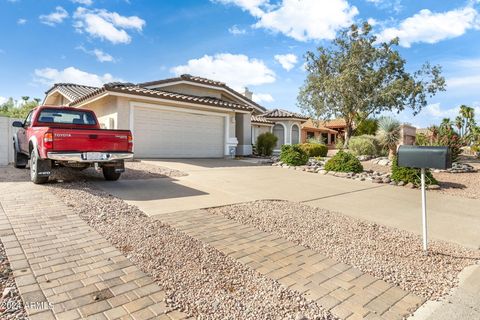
258 130
107 112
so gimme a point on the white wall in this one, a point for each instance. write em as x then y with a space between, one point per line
6 142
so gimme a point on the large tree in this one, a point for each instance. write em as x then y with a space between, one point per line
356 77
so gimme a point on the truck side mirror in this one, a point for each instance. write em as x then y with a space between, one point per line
17 124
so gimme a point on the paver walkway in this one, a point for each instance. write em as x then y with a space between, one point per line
66 270
346 291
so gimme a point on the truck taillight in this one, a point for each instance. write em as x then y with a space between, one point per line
130 142
48 140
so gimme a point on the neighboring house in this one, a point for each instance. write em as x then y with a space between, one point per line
317 130
182 117
407 134
285 125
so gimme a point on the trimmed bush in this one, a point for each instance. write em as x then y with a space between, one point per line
314 149
364 145
411 175
265 143
344 162
293 155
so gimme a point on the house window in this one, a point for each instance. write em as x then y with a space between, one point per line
295 134
323 137
332 138
279 132
310 135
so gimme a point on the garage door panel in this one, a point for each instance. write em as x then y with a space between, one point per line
171 134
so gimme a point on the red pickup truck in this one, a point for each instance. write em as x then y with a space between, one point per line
53 136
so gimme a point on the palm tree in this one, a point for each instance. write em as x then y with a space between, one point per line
468 114
389 134
459 125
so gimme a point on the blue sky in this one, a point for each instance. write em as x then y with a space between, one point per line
254 43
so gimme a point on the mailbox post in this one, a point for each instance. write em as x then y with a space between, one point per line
424 157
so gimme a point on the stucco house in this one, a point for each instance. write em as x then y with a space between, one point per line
317 130
181 117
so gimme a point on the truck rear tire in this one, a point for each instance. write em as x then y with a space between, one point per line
34 169
19 159
110 174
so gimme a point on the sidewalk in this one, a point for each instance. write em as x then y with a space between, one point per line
66 270
346 291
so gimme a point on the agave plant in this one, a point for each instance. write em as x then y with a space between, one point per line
388 134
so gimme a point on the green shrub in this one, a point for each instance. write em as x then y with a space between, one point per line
265 143
344 162
339 144
364 145
314 149
293 155
410 174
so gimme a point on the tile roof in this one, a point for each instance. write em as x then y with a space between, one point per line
335 123
72 91
195 79
129 88
317 126
279 113
260 119
185 77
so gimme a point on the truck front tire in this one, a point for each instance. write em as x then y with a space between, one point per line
110 174
34 166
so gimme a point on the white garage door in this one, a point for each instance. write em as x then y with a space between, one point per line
173 134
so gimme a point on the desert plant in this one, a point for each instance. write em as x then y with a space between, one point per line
293 155
364 145
443 135
388 134
265 143
411 175
344 162
314 149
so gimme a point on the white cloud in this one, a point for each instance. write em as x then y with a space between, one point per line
430 27
55 17
288 61
49 76
463 82
395 5
434 110
21 21
237 70
235 30
84 2
252 6
3 100
302 20
106 25
262 97
98 53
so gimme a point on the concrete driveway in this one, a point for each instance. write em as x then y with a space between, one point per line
215 182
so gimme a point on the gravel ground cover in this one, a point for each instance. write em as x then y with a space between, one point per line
390 254
11 305
198 279
460 184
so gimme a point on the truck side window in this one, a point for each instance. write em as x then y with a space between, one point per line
28 119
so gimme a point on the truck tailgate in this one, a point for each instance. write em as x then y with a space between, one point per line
90 140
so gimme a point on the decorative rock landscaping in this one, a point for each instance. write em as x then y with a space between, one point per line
315 165
459 168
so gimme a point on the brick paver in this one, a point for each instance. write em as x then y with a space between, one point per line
344 290
66 270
